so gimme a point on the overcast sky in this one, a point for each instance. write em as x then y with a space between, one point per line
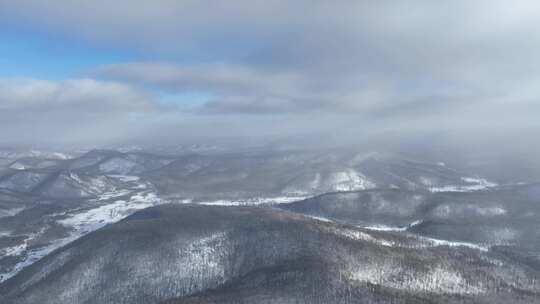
101 72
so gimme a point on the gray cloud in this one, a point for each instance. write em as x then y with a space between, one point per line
82 96
237 88
360 66
256 90
72 110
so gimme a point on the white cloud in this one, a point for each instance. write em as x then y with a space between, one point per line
81 96
34 110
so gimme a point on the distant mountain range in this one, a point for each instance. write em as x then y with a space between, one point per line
329 227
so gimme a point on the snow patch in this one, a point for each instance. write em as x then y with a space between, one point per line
439 279
10 212
471 184
349 180
5 233
92 219
17 166
453 211
252 201
390 228
117 165
125 178
322 219
86 220
432 242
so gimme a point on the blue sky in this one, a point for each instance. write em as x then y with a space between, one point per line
48 56
37 55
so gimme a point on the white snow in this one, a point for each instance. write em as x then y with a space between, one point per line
95 218
117 165
390 228
252 201
94 185
204 253
345 180
17 166
415 223
432 242
59 155
478 181
86 220
490 211
439 279
125 178
426 241
10 212
385 228
34 255
14 250
446 211
422 240
5 233
55 155
349 180
472 184
322 219
501 236
358 235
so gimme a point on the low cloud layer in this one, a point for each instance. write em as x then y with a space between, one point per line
41 111
78 97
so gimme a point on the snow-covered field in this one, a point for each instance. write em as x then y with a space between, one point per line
471 184
346 180
389 228
30 256
92 219
108 208
252 201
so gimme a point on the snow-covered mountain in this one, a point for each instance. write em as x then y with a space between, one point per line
302 174
505 216
31 226
47 203
15 153
209 254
